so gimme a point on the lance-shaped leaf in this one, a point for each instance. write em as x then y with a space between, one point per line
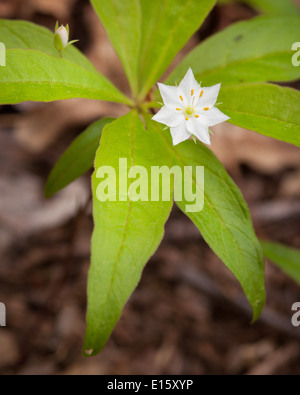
127 231
265 108
258 50
280 7
122 22
77 159
147 35
287 258
224 220
276 7
35 72
166 28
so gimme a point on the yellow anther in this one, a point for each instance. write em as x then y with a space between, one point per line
206 108
186 118
196 116
201 94
181 98
178 109
192 92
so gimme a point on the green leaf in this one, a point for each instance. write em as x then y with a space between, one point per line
126 233
77 159
224 221
265 108
166 28
258 50
287 258
122 22
147 35
35 72
280 7
276 7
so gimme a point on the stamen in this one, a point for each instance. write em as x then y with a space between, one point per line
186 118
192 92
206 108
201 94
178 109
196 116
181 98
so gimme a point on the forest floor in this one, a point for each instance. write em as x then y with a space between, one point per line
188 314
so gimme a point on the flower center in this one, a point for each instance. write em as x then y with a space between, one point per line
189 110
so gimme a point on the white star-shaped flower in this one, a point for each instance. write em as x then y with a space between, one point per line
189 109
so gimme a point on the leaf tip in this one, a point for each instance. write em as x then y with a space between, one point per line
258 306
88 352
48 191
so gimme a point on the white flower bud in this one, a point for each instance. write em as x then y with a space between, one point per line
61 38
64 35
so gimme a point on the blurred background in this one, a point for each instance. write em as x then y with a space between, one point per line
188 314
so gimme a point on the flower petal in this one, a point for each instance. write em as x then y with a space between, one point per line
209 96
180 133
169 116
169 95
215 116
199 128
63 33
189 88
